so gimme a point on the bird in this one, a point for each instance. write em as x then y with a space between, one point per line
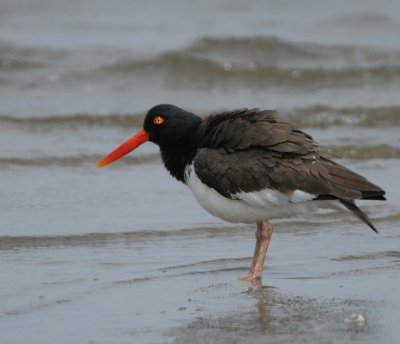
245 165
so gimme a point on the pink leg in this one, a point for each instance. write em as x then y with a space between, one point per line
263 237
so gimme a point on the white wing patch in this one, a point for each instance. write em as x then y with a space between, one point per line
268 198
301 196
245 207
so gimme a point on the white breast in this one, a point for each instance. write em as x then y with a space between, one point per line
245 207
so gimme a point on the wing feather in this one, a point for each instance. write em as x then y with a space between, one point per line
249 149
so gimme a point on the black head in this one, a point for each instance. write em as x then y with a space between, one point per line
169 125
173 129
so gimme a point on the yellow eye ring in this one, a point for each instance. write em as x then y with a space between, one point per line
158 120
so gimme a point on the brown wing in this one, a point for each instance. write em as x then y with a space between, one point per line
257 169
248 150
246 128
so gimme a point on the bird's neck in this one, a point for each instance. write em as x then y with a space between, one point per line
176 158
180 152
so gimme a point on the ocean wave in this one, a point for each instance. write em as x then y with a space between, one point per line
354 152
262 61
215 230
15 58
313 116
250 62
268 50
182 69
270 46
325 116
248 54
12 64
364 152
75 120
96 239
73 161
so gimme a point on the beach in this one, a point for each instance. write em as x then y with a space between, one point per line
125 254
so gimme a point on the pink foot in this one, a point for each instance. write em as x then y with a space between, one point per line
251 277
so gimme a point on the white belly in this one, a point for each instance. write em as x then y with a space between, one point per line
245 207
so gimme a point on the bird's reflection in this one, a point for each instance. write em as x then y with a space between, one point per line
263 295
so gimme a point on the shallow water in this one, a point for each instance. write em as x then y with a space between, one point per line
125 254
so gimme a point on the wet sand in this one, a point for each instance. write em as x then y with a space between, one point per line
179 283
183 287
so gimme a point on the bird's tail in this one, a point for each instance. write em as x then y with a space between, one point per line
351 205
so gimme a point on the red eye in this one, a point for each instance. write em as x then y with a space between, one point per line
158 120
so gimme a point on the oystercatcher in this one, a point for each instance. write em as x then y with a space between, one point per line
243 165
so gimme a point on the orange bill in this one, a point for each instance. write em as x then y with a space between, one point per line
129 145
